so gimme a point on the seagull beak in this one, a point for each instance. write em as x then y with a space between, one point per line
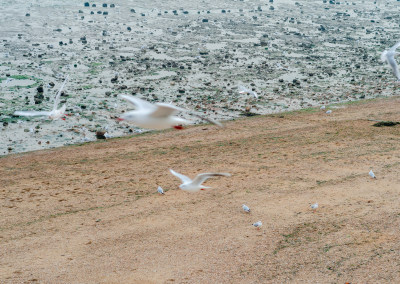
178 127
120 119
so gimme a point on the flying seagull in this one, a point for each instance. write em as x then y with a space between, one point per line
388 55
196 184
54 113
244 90
156 116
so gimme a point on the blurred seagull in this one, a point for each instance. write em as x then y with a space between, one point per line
246 208
257 224
196 184
314 206
244 90
54 113
157 116
371 174
160 190
323 107
388 55
329 112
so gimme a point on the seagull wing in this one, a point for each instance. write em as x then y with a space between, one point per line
182 177
57 98
164 110
203 177
32 113
209 120
393 64
138 103
394 47
242 89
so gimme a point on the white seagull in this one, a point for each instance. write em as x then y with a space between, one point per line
371 174
257 224
329 112
196 184
323 107
244 90
314 206
160 190
54 113
388 55
156 116
246 208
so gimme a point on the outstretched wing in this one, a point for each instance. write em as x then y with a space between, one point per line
242 89
394 47
57 98
203 177
164 110
138 103
394 66
182 177
32 113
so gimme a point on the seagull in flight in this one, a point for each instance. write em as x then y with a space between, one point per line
388 55
156 116
196 184
244 90
54 113
152 116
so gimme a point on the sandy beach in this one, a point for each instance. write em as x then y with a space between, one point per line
193 54
92 214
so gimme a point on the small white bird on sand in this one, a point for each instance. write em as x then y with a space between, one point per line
54 113
246 208
371 174
244 90
323 107
156 116
388 55
160 190
196 184
314 206
329 112
257 224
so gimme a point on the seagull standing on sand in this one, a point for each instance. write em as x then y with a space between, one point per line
160 190
54 113
314 206
257 224
371 174
196 184
388 55
244 90
246 208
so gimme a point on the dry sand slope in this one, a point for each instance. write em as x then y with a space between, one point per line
91 214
